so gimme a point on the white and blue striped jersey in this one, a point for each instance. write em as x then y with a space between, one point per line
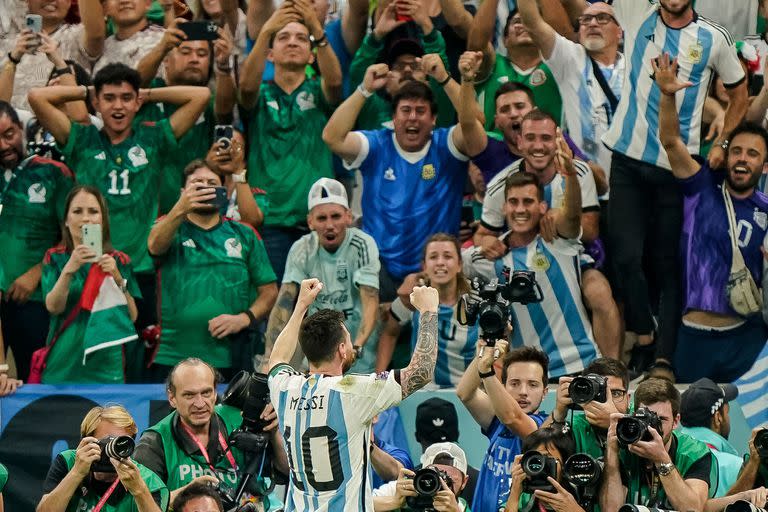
456 343
586 109
326 426
559 324
703 48
493 216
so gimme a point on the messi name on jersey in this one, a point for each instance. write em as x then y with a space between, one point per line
305 404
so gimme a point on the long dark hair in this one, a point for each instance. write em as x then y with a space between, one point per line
462 283
66 237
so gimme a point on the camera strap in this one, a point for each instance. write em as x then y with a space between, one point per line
222 443
106 496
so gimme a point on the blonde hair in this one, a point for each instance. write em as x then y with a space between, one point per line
114 414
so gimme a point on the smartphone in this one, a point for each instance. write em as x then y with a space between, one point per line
222 135
34 22
200 30
401 17
221 201
92 238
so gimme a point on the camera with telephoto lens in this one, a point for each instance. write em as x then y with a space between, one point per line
115 447
761 444
426 481
640 508
635 427
744 506
249 393
490 302
538 467
588 388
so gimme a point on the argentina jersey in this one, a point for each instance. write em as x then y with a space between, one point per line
586 108
408 196
325 423
559 324
493 216
703 48
455 342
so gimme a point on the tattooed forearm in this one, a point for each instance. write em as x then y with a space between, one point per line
421 369
280 315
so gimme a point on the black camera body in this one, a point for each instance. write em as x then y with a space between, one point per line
635 427
426 481
490 302
761 444
115 447
538 467
588 388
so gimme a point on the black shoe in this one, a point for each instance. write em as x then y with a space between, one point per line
642 357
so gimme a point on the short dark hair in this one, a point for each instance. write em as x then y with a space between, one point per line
538 115
196 490
655 390
753 129
199 163
608 367
508 87
556 436
6 109
523 179
526 355
115 74
414 90
170 386
320 334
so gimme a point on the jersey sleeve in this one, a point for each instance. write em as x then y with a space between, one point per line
64 184
278 378
370 394
259 267
368 148
692 185
368 273
588 188
80 136
726 62
399 312
452 149
564 54
49 276
295 264
493 205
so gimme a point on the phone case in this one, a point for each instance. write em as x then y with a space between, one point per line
92 238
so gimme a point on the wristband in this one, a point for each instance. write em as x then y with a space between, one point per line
489 373
252 318
61 71
239 177
4 367
320 41
365 92
443 82
15 61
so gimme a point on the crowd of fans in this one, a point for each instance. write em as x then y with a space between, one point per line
173 172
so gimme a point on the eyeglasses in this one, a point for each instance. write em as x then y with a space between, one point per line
602 19
618 394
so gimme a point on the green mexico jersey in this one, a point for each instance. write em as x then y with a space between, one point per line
204 274
287 153
355 263
65 360
33 198
87 502
193 144
128 175
539 80
3 477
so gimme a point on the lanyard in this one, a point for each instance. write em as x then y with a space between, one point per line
222 443
106 496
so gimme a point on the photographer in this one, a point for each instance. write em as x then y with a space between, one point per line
590 429
191 444
547 490
754 471
506 411
82 478
197 497
664 468
420 492
209 268
325 416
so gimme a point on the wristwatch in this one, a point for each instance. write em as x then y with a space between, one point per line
725 144
358 351
665 468
239 177
124 286
318 42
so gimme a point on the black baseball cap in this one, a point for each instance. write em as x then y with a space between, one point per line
405 46
702 400
436 422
